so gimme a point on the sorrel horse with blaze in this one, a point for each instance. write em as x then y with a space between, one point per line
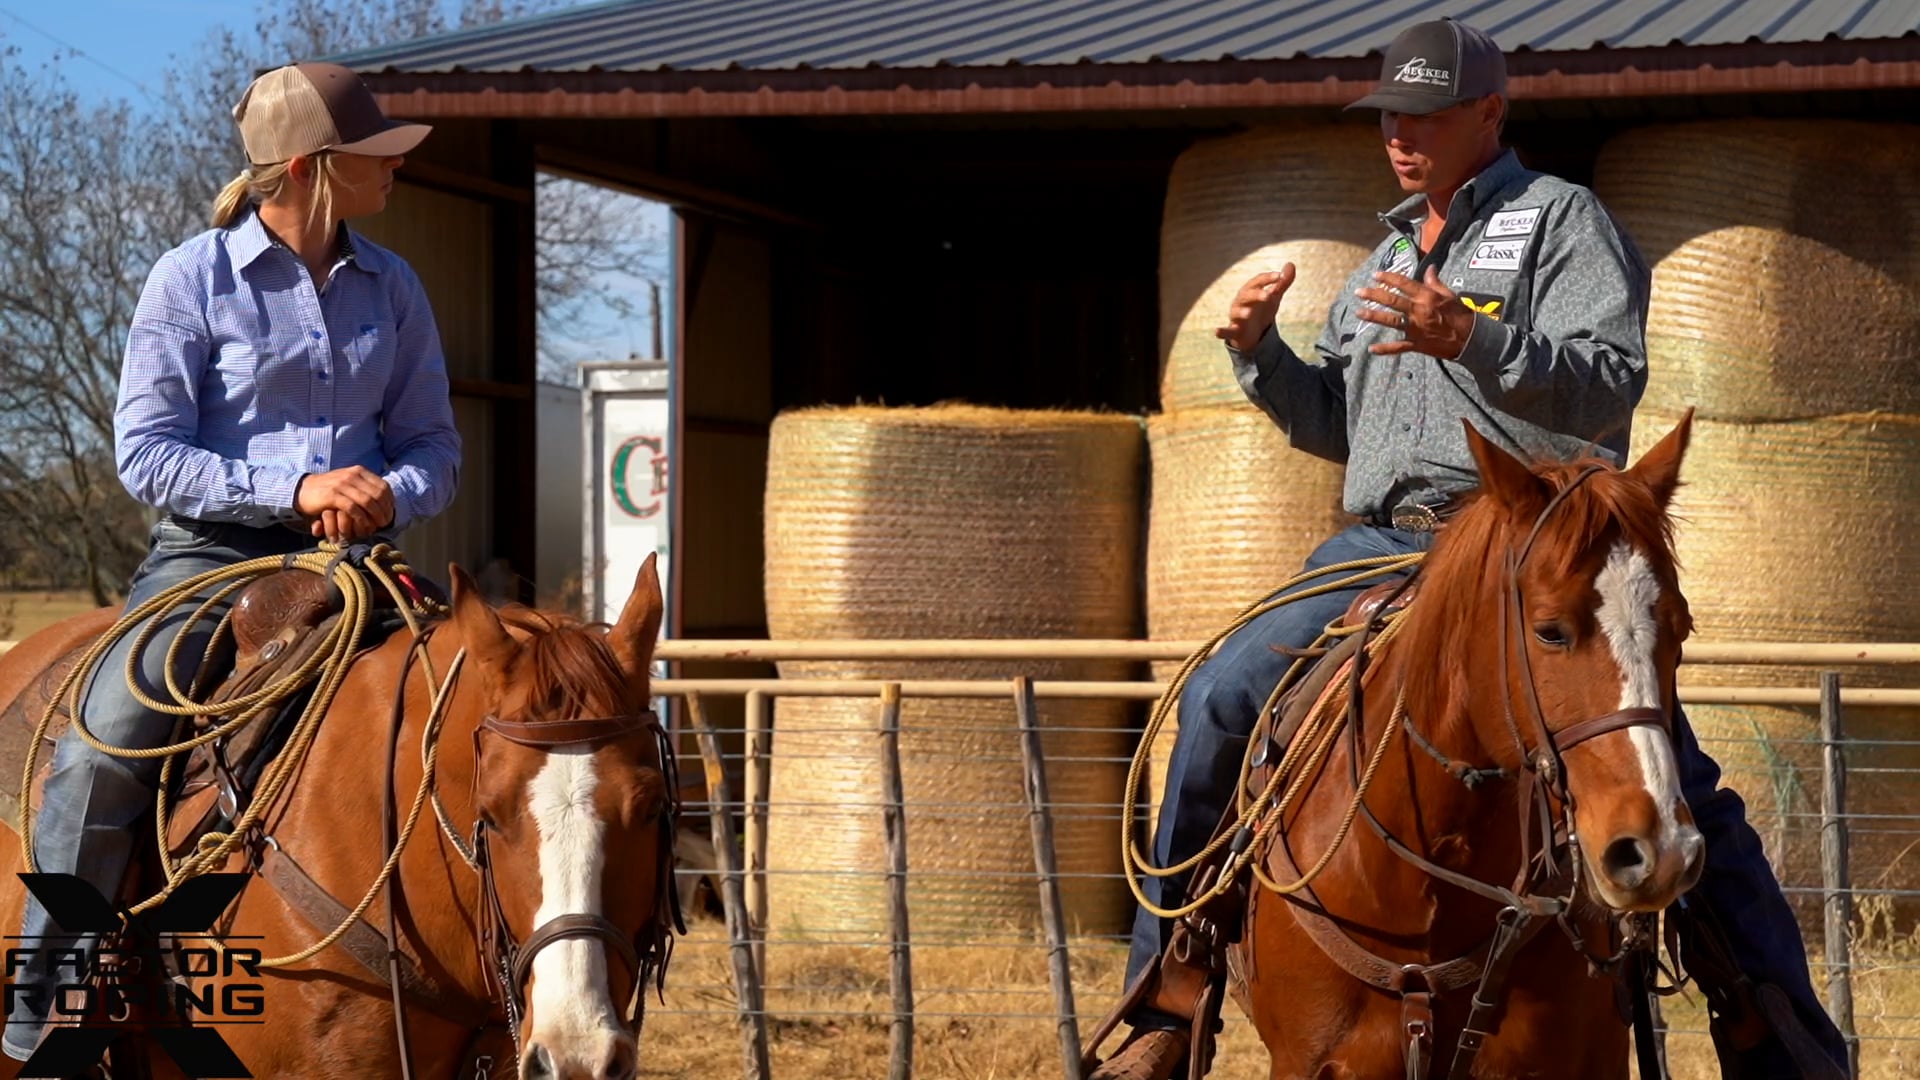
1540 654
548 756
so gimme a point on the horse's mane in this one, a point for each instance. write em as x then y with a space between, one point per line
571 667
1467 567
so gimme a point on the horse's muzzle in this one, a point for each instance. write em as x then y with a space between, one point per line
1637 874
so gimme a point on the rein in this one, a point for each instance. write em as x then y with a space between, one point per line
507 962
1532 897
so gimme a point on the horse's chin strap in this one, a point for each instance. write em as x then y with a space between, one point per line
1542 785
508 963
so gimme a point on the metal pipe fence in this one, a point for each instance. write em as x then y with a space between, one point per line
1819 810
1831 803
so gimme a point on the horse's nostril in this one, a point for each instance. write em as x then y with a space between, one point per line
622 1061
539 1063
1628 861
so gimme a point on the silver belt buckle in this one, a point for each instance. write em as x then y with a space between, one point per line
1413 517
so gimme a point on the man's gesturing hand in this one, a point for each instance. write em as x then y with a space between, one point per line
344 505
1253 310
1429 315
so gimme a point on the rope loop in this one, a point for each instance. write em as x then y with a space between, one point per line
352 573
1261 815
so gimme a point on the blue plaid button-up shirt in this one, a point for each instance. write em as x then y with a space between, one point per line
240 378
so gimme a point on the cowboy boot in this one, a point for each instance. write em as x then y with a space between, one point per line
1184 982
1149 1054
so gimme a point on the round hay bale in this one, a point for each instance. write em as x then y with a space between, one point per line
969 846
1235 513
1795 532
1771 757
1244 204
960 522
1792 293
953 521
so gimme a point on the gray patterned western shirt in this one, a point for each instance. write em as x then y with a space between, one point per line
1555 364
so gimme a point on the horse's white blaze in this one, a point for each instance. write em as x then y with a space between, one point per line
1628 592
569 997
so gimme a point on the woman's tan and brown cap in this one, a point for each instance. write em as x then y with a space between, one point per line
307 108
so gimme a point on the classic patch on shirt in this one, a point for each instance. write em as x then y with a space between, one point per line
1484 303
1497 255
1512 223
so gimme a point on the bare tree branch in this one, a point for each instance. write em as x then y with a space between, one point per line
86 208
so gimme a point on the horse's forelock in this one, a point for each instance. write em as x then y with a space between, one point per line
1609 505
572 670
1466 569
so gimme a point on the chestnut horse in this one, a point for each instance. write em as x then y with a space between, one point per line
1536 664
530 924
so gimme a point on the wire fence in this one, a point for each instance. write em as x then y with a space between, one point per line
836 932
939 929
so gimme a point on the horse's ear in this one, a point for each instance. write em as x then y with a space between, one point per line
1659 467
1504 478
486 639
633 637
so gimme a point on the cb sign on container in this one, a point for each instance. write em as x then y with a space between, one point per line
639 475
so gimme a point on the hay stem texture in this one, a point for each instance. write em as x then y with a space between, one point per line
961 522
1248 203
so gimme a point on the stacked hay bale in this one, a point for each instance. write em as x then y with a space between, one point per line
954 522
1235 508
1786 311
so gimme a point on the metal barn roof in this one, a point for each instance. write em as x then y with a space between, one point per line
790 35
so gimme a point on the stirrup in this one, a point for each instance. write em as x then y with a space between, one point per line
1135 996
1148 1054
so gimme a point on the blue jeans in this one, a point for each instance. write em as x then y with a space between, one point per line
1224 696
93 801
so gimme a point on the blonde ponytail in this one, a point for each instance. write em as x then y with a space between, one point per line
232 200
264 183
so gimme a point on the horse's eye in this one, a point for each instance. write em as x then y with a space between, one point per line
1552 635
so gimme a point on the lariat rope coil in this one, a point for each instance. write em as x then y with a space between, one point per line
1260 816
325 669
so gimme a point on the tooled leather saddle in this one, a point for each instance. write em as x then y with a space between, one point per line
279 621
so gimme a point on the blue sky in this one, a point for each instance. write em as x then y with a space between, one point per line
114 48
135 38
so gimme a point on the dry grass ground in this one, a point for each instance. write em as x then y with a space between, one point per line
983 1013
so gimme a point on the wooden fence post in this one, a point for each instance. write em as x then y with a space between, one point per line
726 847
1052 917
1836 878
894 813
759 764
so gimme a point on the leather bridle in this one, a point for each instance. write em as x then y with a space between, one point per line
1545 781
1534 899
507 961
